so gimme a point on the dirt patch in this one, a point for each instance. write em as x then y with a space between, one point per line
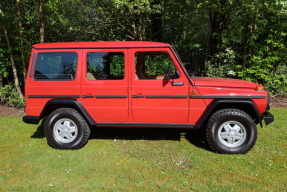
278 102
7 111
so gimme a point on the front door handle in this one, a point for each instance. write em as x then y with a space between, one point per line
138 96
177 83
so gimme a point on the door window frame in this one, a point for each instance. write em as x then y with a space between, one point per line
173 59
126 63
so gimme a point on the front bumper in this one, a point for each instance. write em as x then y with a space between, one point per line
31 119
268 118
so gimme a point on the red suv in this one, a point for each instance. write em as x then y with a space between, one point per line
83 85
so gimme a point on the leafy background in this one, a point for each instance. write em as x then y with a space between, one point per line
243 39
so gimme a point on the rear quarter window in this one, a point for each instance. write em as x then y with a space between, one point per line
56 66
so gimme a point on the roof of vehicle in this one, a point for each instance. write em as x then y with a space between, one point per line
100 44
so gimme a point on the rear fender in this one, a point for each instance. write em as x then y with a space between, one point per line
54 104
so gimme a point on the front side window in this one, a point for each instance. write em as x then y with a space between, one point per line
154 65
105 65
56 66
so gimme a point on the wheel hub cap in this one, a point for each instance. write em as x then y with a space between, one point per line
65 130
232 134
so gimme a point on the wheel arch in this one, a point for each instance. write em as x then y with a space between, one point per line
54 104
245 105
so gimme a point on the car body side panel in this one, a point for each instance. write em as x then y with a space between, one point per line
39 92
159 101
196 109
110 97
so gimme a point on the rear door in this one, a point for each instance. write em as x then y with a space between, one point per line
104 84
155 100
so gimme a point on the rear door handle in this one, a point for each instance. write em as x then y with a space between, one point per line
177 83
88 96
138 96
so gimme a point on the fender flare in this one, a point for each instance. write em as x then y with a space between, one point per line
216 102
62 103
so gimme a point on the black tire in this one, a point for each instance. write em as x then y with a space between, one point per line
223 143
72 117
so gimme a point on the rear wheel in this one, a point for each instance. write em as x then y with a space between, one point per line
231 131
65 128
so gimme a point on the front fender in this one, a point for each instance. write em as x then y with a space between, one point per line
212 107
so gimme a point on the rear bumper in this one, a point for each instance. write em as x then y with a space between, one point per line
268 118
31 119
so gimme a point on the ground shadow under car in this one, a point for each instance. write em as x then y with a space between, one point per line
195 136
39 133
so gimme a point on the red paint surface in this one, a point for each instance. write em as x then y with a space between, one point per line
215 82
99 44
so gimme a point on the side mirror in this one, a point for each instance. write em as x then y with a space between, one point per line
168 75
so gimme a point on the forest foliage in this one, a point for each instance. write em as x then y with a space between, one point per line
243 39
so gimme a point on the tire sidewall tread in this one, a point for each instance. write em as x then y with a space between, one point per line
221 116
83 129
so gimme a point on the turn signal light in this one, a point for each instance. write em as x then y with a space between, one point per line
259 88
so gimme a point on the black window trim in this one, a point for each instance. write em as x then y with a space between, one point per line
57 79
32 65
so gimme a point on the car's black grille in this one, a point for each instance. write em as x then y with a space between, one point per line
268 102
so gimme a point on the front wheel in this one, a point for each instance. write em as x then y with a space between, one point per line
231 131
65 128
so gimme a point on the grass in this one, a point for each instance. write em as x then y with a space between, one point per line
140 160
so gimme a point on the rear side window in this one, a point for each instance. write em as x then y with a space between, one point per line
56 66
105 65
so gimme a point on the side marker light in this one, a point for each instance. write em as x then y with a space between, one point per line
259 88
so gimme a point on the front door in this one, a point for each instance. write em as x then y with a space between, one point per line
155 100
104 84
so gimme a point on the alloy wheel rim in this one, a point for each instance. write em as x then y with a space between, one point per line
65 130
232 134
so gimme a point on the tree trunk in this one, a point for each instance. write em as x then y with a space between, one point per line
211 33
1 76
41 22
156 19
247 48
21 39
1 80
13 64
217 20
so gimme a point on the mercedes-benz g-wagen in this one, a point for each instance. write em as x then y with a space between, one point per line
80 86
